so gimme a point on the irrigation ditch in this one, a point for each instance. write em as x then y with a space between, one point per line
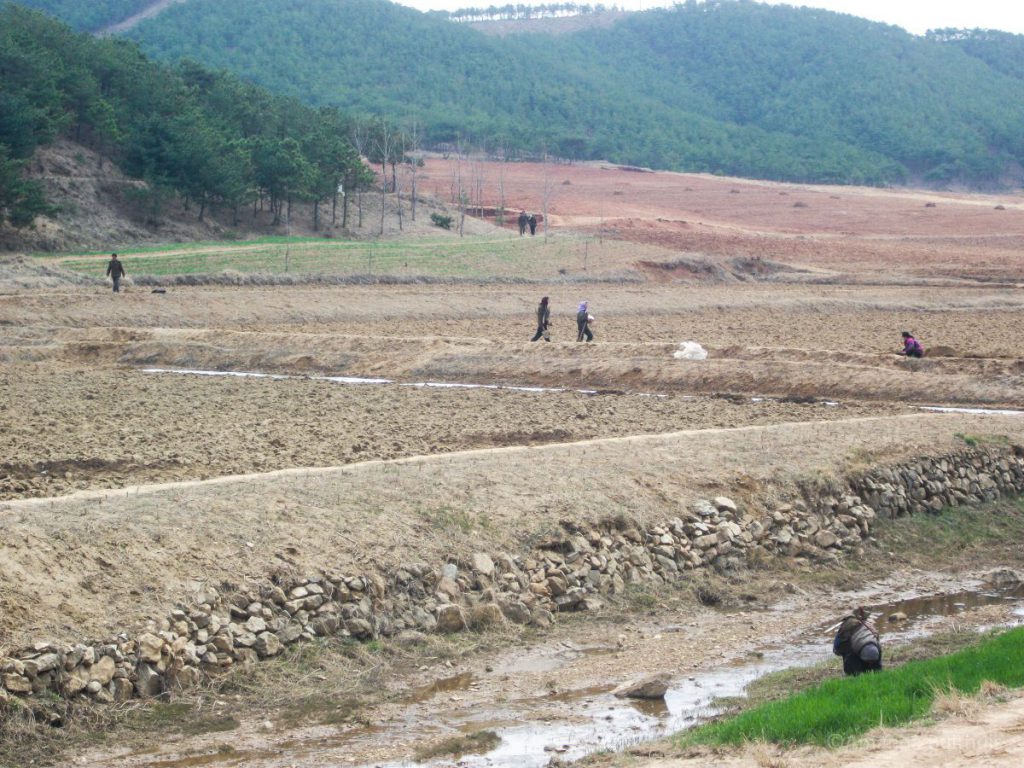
577 570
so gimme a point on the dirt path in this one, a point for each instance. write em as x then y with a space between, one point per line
133 21
989 735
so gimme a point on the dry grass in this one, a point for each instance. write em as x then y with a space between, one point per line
949 702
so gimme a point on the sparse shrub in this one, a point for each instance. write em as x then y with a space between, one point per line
641 598
708 595
442 221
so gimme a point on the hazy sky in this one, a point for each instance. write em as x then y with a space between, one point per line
913 15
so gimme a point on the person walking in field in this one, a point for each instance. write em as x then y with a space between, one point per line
543 319
911 346
857 642
583 321
532 221
115 271
523 220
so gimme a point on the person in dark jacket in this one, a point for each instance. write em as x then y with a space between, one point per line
911 346
115 271
522 220
533 223
857 642
543 319
583 320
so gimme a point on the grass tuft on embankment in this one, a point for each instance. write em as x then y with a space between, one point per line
837 711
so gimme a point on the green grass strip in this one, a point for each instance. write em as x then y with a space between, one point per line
836 711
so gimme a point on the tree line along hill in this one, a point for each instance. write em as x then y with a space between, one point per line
723 86
208 137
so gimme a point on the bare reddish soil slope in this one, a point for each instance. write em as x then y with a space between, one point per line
867 233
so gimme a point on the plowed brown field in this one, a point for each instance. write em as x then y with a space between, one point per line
798 294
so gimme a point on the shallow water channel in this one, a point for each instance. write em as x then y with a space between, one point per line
358 380
603 721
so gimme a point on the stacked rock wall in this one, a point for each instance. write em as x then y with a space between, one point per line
214 632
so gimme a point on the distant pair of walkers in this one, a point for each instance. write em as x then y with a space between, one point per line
583 321
525 221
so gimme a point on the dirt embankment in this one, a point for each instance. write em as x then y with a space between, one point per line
63 562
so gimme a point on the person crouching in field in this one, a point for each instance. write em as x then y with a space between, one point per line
115 271
857 642
543 318
583 321
911 346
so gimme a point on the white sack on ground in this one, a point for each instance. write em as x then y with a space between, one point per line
690 350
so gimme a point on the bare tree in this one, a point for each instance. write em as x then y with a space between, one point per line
413 136
499 214
386 147
479 179
361 141
548 193
457 189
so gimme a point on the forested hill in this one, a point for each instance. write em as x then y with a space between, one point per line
207 137
725 86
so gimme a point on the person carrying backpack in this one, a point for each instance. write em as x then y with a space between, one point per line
911 346
857 642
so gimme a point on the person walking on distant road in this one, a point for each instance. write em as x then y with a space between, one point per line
911 346
543 318
583 321
115 271
523 219
533 224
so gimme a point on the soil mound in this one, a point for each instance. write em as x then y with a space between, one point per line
19 272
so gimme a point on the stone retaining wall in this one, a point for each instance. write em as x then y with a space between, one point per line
570 571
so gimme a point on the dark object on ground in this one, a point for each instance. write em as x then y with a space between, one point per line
159 290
